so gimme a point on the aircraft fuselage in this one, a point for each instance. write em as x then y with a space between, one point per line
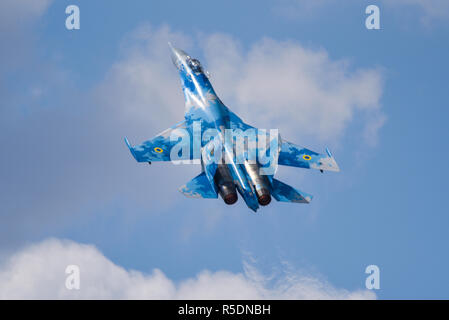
203 104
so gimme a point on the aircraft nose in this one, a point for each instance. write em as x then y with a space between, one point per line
177 55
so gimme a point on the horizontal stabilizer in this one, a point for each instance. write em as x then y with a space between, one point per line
199 187
285 193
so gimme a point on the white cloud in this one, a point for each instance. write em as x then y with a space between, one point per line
143 86
18 13
273 84
17 17
281 84
38 272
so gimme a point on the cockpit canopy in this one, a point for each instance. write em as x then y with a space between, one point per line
195 65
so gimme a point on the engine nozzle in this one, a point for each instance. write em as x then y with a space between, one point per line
263 196
228 194
225 185
260 183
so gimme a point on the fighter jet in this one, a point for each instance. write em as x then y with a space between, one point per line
228 168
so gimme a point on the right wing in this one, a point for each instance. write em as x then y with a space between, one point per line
296 156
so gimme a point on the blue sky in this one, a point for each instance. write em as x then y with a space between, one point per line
377 98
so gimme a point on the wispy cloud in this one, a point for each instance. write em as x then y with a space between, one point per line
16 36
143 86
38 271
273 84
15 14
282 84
429 11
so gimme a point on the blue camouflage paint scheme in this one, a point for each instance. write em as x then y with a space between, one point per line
208 163
199 187
202 104
148 150
285 193
296 156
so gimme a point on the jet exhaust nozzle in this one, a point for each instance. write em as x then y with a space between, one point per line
225 185
263 196
229 198
259 182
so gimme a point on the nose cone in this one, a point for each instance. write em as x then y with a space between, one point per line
177 55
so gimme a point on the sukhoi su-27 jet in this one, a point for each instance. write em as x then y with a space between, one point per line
235 157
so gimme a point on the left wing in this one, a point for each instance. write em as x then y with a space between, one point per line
160 147
296 156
